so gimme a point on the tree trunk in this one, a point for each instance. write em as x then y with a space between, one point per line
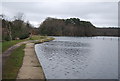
9 31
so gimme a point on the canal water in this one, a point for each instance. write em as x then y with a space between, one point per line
79 58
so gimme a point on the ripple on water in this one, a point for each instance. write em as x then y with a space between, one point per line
73 58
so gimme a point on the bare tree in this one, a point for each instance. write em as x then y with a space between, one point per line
10 32
7 25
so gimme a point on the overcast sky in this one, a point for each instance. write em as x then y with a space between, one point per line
100 14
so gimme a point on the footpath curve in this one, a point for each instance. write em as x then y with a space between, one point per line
31 68
7 53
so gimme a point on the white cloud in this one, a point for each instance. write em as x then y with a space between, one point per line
34 23
61 0
99 13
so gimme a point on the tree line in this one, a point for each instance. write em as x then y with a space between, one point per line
15 29
74 27
66 27
19 29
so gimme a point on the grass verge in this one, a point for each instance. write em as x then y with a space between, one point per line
13 63
41 39
37 37
8 44
0 47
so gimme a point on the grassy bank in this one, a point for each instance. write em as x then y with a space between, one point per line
8 44
37 37
15 60
13 63
0 47
42 39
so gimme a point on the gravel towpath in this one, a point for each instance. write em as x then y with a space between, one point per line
31 68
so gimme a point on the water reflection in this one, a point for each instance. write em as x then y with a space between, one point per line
78 58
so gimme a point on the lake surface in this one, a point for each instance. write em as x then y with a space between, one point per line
79 58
